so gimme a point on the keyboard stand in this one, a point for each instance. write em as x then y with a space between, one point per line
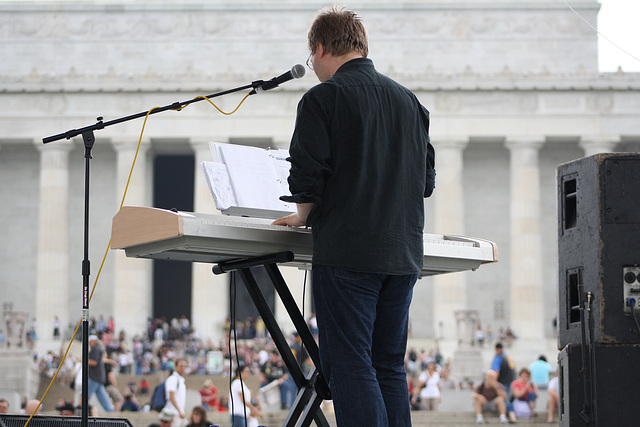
313 388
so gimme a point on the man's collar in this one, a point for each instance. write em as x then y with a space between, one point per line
355 63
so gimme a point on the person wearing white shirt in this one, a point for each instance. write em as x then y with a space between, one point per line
240 406
428 388
176 391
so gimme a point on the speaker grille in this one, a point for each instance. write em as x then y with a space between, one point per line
19 420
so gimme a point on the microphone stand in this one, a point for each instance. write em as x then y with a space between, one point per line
89 140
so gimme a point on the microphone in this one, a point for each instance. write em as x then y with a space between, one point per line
296 72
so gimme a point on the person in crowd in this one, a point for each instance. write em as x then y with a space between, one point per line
480 335
288 387
111 383
313 324
143 387
130 404
65 407
275 370
365 260
4 406
446 381
261 328
490 396
93 411
509 336
224 404
554 396
489 334
240 404
198 417
33 406
503 366
209 396
77 382
428 388
97 374
111 326
165 419
56 328
524 390
411 362
176 390
540 370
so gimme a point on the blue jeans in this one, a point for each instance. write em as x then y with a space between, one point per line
238 421
101 393
288 393
362 321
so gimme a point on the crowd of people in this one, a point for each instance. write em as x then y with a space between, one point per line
515 397
511 396
501 391
157 351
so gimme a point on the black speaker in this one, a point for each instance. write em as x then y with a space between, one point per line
610 397
19 420
599 247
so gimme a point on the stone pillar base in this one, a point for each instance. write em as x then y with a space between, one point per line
19 376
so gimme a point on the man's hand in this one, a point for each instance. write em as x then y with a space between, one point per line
292 220
298 219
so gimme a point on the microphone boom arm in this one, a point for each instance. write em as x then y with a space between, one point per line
174 106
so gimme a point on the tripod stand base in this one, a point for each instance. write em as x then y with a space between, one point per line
312 389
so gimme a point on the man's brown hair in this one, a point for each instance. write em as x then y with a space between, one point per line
339 31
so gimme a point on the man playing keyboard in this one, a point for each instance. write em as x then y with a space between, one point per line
361 164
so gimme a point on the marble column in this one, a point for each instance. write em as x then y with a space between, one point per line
52 277
209 292
526 269
449 292
596 146
132 302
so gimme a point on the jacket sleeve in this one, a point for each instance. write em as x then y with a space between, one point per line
430 182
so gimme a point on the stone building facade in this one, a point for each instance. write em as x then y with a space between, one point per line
512 86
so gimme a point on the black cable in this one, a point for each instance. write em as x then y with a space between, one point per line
585 414
304 291
632 303
232 327
592 362
304 295
304 283
234 285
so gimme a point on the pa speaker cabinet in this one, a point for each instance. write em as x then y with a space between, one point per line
19 420
599 246
616 386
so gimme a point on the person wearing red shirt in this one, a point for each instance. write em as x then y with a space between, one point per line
524 389
209 395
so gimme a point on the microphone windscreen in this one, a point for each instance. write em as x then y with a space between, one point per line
297 71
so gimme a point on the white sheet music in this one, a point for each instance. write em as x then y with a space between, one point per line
282 169
249 177
219 184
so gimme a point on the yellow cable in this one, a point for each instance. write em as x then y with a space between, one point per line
104 258
211 102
